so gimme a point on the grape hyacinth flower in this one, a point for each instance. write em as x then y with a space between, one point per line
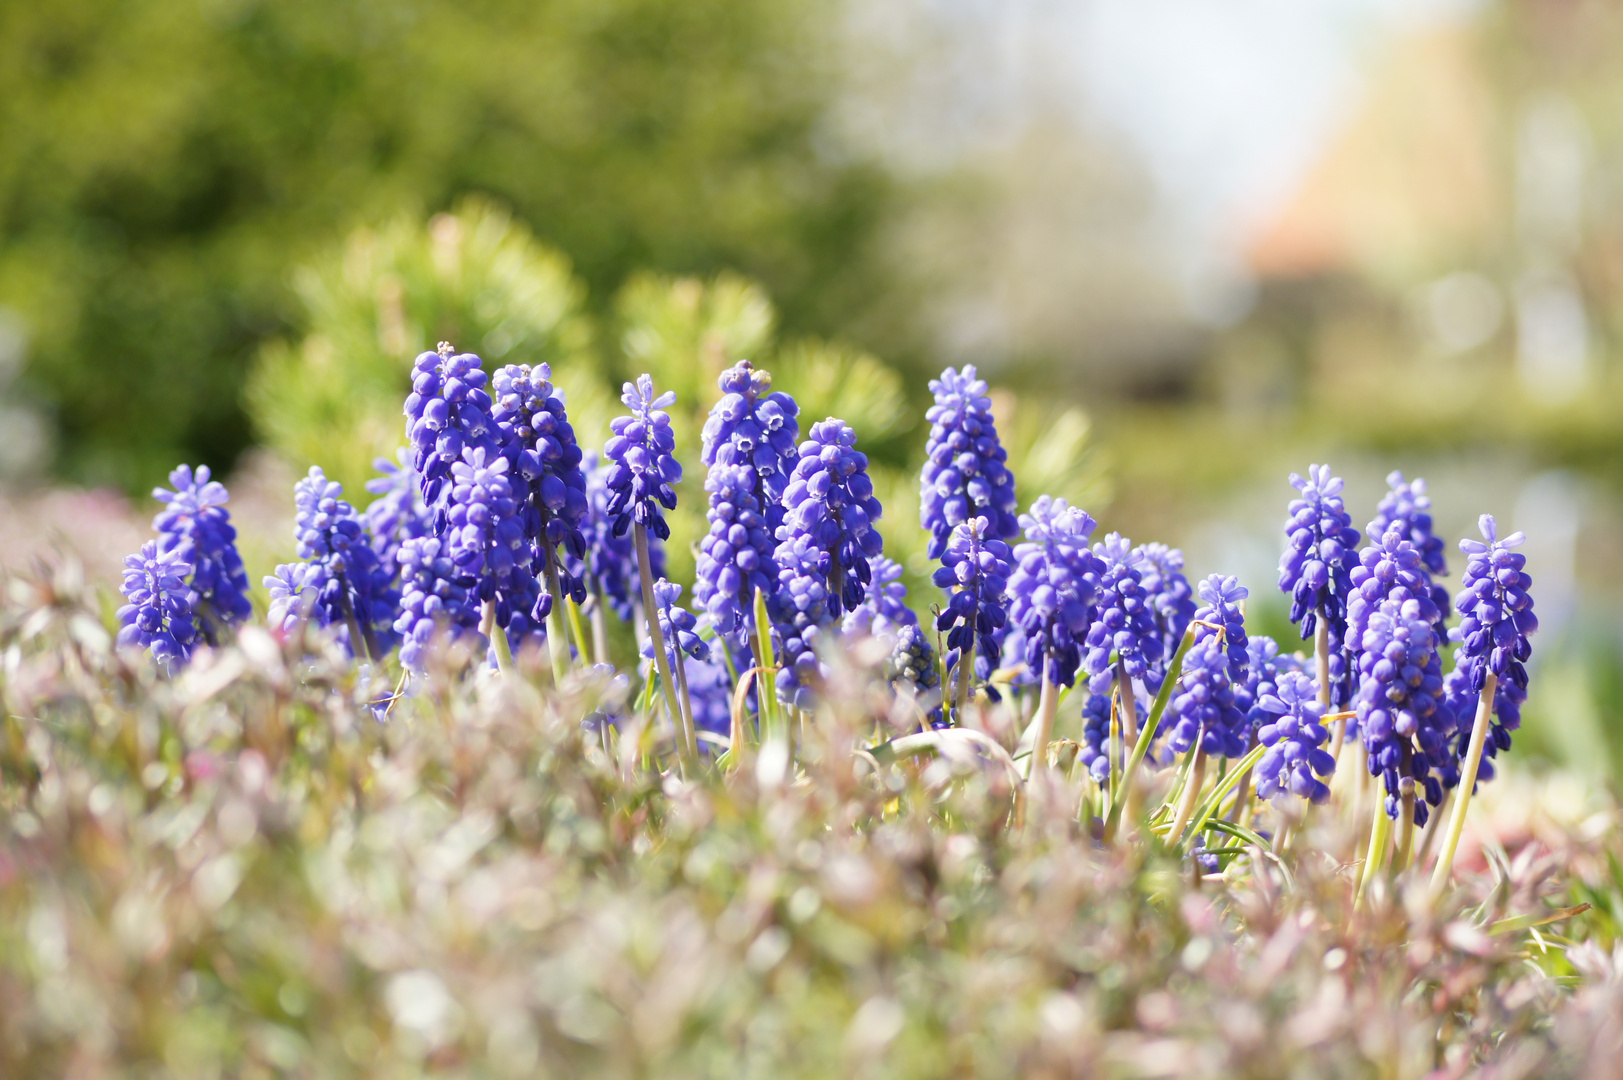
1496 622
1052 592
485 537
975 573
1094 751
1315 572
679 637
965 472
1295 760
642 450
356 592
195 523
1389 571
1202 711
883 611
1171 597
710 693
1407 508
911 667
398 513
1403 717
158 615
436 595
295 596
609 569
824 544
1124 642
756 427
447 412
736 554
545 472
1220 604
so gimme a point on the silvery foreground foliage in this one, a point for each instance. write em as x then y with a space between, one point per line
246 875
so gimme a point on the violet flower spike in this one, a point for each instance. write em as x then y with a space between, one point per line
196 524
158 616
965 475
447 412
1295 760
1124 627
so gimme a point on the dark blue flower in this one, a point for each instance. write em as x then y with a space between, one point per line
1201 710
965 475
355 589
754 426
710 692
159 613
546 470
1496 609
609 569
912 664
736 554
678 625
1320 552
398 513
884 609
447 412
196 524
1264 666
824 544
974 571
296 596
1124 625
1403 718
1407 508
1295 759
436 596
1054 586
642 450
1220 604
1094 751
1171 597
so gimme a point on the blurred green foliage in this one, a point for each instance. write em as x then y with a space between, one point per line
479 279
167 165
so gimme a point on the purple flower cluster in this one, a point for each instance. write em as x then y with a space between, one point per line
754 426
352 589
158 615
736 554
1094 750
975 574
540 444
1054 586
1171 597
196 525
1124 626
1295 759
679 626
1201 709
1496 610
1220 605
965 475
642 450
883 611
912 661
398 513
436 596
1407 508
824 544
1316 566
609 569
1402 716
447 413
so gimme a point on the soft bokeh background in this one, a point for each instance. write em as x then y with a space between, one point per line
1197 246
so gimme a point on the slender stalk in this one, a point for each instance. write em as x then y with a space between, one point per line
1321 669
600 630
1186 802
357 635
557 644
1047 706
1400 862
1118 747
684 735
497 636
1473 762
766 696
966 672
1121 787
577 630
687 701
1129 706
1376 857
1434 825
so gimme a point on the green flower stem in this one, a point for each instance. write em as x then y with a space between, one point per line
684 734
966 672
1400 861
557 645
1047 706
1241 773
1473 762
497 637
766 694
1379 835
1321 670
1122 786
600 630
1186 800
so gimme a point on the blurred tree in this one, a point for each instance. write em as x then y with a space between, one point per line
167 164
